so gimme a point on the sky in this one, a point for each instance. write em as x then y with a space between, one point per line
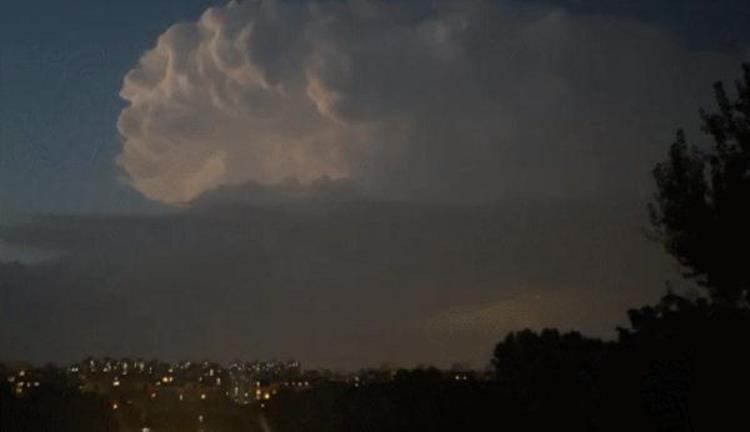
347 183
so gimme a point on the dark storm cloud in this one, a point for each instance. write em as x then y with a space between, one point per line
422 180
706 24
331 283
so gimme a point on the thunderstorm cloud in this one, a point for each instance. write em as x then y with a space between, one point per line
366 181
470 100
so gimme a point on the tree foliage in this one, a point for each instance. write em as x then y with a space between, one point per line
701 210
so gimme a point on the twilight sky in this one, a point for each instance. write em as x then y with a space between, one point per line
343 182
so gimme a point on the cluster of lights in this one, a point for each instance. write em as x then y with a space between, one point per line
263 395
20 383
237 380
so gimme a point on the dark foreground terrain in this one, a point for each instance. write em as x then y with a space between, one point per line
681 365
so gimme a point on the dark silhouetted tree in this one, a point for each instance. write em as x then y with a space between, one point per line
551 374
685 362
701 211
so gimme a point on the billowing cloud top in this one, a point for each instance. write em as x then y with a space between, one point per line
470 99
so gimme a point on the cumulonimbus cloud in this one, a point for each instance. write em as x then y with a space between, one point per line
469 99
